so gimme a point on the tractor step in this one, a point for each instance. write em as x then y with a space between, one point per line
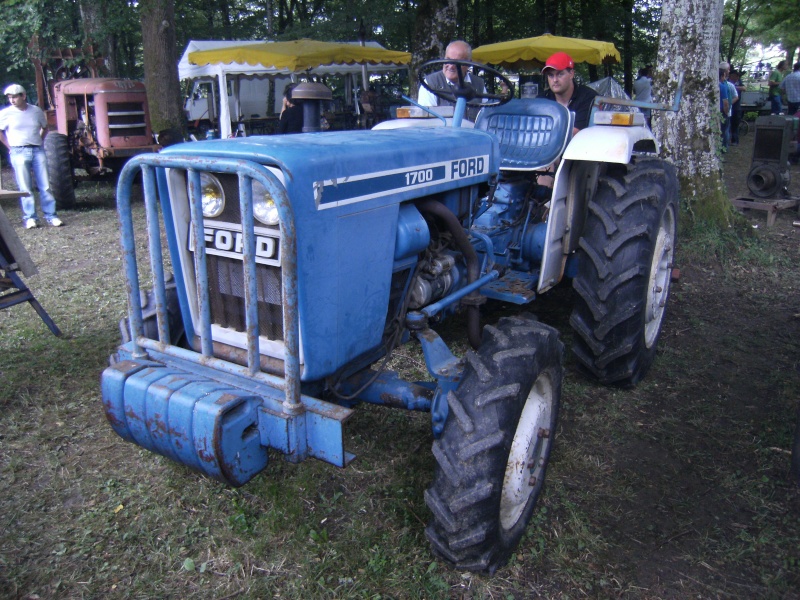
515 287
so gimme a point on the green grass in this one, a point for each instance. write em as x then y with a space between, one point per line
677 488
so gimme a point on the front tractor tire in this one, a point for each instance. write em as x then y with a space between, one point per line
59 169
624 270
492 456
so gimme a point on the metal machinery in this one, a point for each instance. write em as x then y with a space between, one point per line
302 262
97 123
14 259
769 170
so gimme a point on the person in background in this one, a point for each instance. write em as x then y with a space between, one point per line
774 82
733 97
791 87
559 71
23 128
734 77
448 77
291 119
643 89
724 105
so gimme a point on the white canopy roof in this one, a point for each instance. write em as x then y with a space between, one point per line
186 70
221 71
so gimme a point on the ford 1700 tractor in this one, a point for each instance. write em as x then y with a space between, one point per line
300 263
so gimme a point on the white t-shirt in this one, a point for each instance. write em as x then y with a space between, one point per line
23 127
643 89
734 95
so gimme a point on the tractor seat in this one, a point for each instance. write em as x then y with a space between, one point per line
532 133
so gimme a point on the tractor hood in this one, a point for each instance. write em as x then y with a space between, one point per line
346 190
98 85
324 170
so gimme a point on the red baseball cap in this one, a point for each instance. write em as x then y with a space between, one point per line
559 61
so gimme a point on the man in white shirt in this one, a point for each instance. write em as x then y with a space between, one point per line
791 87
458 50
22 130
643 89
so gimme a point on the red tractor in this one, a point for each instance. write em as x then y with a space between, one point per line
96 123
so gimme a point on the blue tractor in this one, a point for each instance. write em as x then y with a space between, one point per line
302 262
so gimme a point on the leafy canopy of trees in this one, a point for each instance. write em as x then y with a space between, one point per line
747 23
114 25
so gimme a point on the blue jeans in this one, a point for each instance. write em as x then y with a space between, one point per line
29 159
726 132
776 105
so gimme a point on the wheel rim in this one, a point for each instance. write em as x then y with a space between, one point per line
527 459
660 276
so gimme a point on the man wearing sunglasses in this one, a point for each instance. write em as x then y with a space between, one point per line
22 130
559 72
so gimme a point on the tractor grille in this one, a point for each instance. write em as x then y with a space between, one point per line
126 119
226 295
226 279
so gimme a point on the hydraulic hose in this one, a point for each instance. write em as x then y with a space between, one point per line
446 216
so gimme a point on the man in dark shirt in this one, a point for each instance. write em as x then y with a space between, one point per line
559 71
291 120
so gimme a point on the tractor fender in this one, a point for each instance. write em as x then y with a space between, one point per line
603 143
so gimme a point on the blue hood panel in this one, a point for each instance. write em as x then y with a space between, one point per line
345 189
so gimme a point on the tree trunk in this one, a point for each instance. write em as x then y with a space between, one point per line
93 16
434 29
161 65
734 28
689 45
627 44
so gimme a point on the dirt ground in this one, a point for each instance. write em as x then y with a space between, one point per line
679 488
733 332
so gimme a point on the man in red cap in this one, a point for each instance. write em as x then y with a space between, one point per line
559 71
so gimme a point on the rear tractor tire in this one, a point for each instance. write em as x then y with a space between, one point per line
493 453
59 169
624 270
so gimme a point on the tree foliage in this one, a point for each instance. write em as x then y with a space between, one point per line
750 22
114 25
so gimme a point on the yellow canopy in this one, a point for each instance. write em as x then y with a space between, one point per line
538 49
299 55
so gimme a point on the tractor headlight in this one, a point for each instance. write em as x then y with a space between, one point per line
264 208
213 198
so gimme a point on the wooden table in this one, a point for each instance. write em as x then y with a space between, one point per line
771 206
11 195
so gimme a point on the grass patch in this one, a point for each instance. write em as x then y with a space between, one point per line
677 488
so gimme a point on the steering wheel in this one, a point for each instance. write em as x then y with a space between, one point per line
451 93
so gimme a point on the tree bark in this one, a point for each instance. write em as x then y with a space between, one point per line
689 45
627 44
161 65
434 29
93 16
